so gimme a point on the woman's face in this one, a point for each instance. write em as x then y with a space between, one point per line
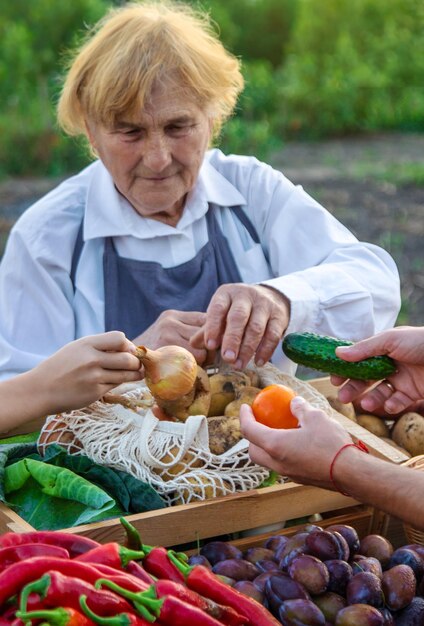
155 160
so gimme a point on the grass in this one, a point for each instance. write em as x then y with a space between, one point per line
401 173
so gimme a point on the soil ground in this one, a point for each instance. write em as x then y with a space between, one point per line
344 176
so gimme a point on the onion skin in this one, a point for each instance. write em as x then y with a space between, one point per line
196 402
170 371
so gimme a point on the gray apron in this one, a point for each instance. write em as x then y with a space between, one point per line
137 292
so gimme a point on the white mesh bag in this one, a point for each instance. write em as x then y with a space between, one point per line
174 457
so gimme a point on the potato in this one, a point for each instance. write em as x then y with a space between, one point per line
408 432
254 377
186 464
347 410
374 424
196 402
204 487
224 433
223 390
244 395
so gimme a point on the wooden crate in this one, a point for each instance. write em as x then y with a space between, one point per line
243 511
361 517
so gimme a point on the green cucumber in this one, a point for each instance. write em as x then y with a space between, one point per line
319 352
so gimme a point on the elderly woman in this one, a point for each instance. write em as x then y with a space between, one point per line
165 239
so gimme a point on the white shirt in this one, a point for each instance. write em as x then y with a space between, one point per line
336 285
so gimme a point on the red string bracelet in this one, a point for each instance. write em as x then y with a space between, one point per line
361 446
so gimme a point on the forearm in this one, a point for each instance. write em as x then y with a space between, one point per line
21 400
396 490
345 286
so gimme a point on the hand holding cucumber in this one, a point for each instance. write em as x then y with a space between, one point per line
319 352
395 357
405 345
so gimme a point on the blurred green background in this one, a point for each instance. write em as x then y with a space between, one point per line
313 70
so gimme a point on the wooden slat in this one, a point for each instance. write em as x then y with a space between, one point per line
360 517
10 521
218 516
375 444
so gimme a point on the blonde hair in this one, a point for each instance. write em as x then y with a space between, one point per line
132 48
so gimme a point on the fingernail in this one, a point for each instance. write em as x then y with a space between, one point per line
238 364
391 407
368 404
211 344
229 355
260 362
297 402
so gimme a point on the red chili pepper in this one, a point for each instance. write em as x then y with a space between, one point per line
134 542
138 571
54 589
123 578
175 612
14 621
9 613
75 544
157 563
13 554
208 584
18 575
133 536
112 554
169 609
224 614
122 619
60 616
9 617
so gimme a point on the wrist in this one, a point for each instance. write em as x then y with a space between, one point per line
280 297
342 467
38 392
22 400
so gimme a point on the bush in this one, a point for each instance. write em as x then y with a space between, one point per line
254 29
312 69
255 128
354 66
30 66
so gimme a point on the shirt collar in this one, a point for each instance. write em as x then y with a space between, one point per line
108 214
103 215
217 189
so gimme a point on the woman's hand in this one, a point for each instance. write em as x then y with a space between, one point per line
398 392
305 453
175 328
244 321
83 371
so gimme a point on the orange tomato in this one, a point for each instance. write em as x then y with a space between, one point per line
272 407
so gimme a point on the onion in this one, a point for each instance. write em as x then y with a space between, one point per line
170 371
195 402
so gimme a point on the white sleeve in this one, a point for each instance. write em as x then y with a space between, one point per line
36 314
336 284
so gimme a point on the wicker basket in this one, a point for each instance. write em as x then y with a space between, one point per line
412 534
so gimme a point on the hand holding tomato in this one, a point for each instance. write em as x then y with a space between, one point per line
304 453
271 407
